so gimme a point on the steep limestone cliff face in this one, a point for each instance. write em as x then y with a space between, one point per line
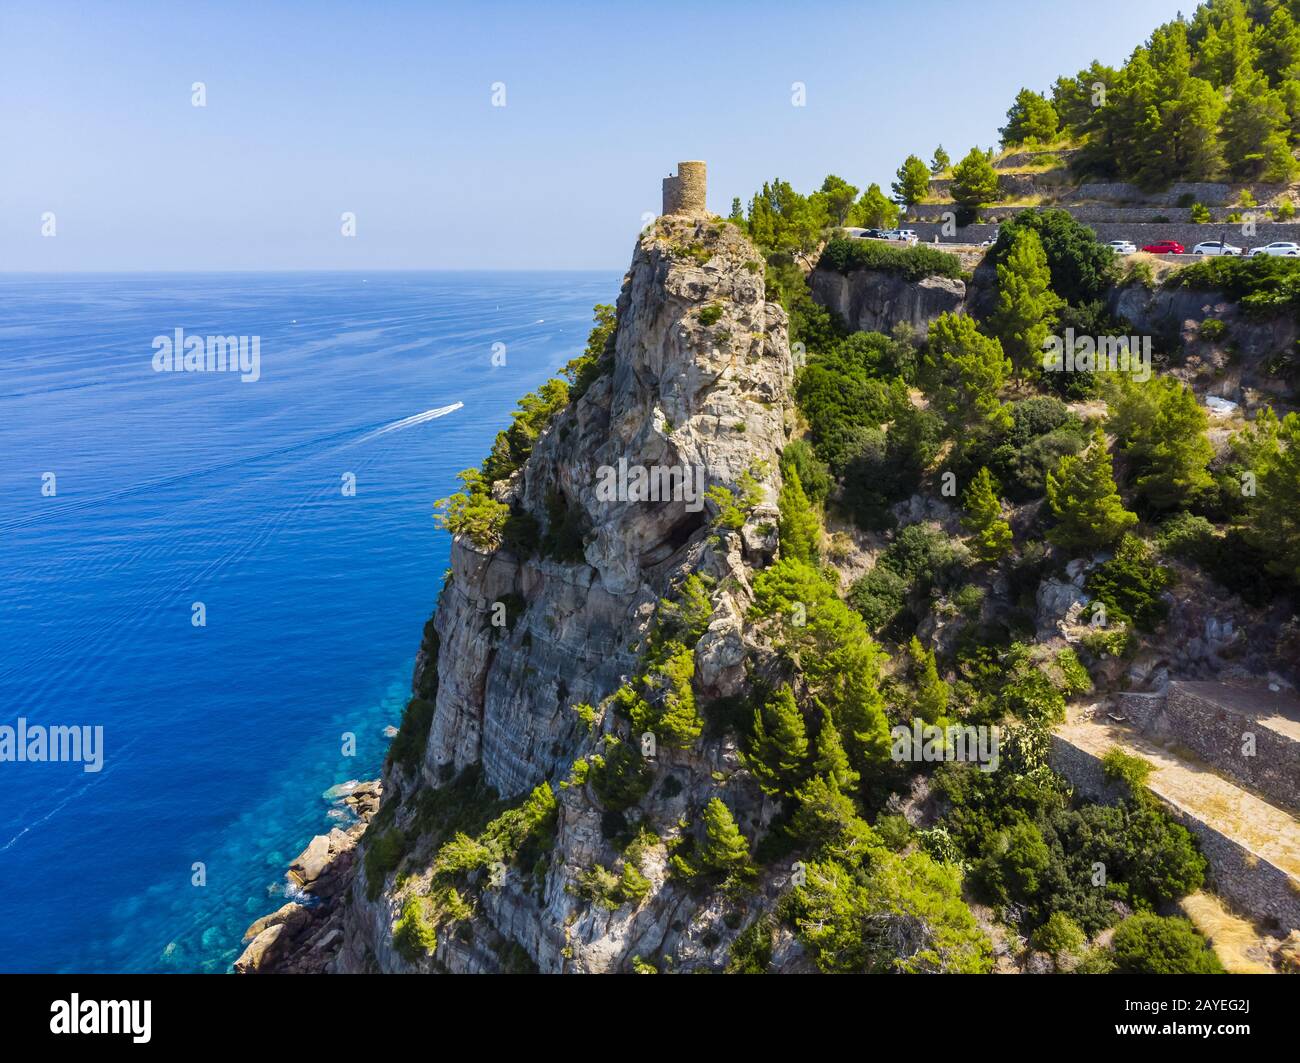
874 301
699 380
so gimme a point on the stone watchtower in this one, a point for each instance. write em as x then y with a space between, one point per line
684 194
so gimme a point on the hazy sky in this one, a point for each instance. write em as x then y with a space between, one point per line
385 110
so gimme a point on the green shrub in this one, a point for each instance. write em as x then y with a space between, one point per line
911 263
1200 214
1113 641
1131 585
710 314
1263 284
383 854
598 358
473 512
1141 273
413 734
1188 538
848 922
1075 677
1031 418
879 596
969 601
751 951
620 776
1212 328
1128 768
894 832
921 554
1151 944
413 934
814 474
1060 936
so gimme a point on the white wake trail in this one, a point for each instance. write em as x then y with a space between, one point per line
407 422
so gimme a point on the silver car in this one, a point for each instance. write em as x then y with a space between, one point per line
1280 248
1215 247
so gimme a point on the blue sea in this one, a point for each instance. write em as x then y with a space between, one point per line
174 488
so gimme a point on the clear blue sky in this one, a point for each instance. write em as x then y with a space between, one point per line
384 109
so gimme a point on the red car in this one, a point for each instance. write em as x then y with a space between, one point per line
1165 247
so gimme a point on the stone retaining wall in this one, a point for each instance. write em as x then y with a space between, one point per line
1256 887
1208 720
1093 213
1187 234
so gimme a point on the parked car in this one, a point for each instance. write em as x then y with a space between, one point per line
1215 247
873 234
907 236
1282 248
1123 247
1165 247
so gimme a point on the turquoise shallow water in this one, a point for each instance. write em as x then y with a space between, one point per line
174 488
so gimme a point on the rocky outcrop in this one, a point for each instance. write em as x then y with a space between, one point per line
875 301
1245 356
303 935
698 381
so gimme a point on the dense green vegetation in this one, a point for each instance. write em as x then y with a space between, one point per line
888 417
1214 97
1264 285
911 263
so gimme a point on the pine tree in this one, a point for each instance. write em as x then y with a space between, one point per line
798 526
737 212
837 195
931 691
1275 510
1078 99
1279 48
913 182
828 821
1184 142
1256 131
967 372
974 181
1026 305
875 210
1229 45
941 161
984 520
832 762
779 750
1162 428
725 848
1031 118
1085 500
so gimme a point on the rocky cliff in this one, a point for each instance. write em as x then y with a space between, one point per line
875 301
699 380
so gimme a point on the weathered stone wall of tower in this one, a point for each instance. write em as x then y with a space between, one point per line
685 193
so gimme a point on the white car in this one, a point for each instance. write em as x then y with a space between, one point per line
1123 247
1283 248
1215 247
905 236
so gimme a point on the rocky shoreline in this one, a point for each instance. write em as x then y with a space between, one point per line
303 936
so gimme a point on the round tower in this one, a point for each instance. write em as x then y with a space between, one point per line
685 193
